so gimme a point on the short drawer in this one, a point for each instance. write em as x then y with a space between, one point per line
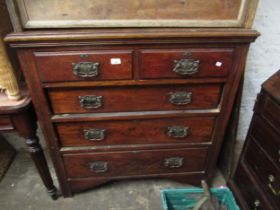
84 65
267 138
185 63
135 163
267 174
123 99
139 131
249 190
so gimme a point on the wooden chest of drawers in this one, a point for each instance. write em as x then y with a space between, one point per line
257 179
118 103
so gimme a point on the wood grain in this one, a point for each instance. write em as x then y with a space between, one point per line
58 66
129 132
135 162
160 63
122 99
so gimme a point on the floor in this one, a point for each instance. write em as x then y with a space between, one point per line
21 189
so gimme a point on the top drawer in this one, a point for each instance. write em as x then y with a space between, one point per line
84 65
185 63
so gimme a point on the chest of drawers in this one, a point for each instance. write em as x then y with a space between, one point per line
256 181
133 103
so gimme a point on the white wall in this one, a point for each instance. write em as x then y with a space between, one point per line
263 59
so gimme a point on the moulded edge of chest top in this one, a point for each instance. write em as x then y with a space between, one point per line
130 36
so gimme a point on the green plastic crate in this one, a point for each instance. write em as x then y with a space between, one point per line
185 199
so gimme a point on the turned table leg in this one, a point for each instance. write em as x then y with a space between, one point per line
25 123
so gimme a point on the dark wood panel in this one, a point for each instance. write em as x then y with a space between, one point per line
144 131
264 171
160 63
271 112
249 192
120 99
134 163
267 138
58 66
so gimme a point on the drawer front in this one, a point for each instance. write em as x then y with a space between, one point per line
186 63
122 99
267 138
271 112
135 163
267 175
84 65
6 123
249 191
149 131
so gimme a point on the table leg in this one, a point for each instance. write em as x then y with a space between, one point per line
25 123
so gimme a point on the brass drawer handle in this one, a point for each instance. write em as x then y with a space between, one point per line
98 167
91 102
94 134
177 131
86 69
271 180
180 97
174 162
185 67
257 204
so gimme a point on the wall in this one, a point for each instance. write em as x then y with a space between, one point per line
263 59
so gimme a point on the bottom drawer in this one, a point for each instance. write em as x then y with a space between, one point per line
249 192
135 163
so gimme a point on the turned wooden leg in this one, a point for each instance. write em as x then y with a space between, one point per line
40 162
26 126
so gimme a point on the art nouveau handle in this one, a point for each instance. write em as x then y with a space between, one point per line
91 101
185 67
98 166
174 162
94 134
86 69
177 131
180 97
271 180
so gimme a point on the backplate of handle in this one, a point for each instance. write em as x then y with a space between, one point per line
174 162
177 131
98 166
257 204
180 97
271 180
94 134
86 69
91 101
186 67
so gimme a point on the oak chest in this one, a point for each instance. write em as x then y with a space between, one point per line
256 181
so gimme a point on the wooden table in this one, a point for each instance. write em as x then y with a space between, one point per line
19 116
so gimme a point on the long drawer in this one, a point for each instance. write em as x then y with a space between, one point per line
135 163
247 186
146 98
267 174
84 65
185 63
141 131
